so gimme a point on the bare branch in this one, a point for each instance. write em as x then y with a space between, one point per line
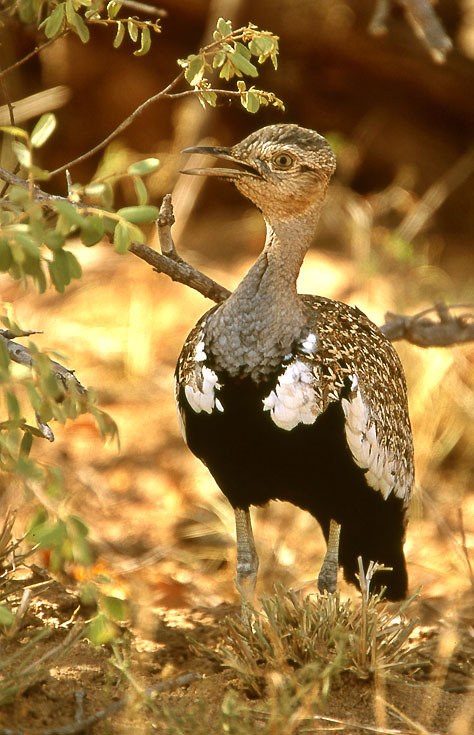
423 20
449 329
418 329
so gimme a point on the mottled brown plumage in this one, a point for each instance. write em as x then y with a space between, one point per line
298 397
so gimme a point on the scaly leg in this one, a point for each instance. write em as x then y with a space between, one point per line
327 579
247 560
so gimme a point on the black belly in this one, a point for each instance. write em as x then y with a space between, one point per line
254 461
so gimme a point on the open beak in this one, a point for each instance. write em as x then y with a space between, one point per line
242 169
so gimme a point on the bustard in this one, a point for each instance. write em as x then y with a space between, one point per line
294 397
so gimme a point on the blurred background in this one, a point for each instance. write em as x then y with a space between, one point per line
396 234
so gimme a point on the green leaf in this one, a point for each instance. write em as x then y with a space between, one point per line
54 239
113 8
146 166
132 30
251 101
95 188
224 27
140 190
93 230
48 534
26 444
195 70
75 270
6 258
210 97
119 35
70 213
43 129
6 615
55 21
145 42
81 28
218 59
13 130
101 630
115 608
122 238
22 153
261 46
12 405
227 71
139 215
243 64
59 270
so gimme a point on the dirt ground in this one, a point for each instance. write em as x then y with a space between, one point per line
163 535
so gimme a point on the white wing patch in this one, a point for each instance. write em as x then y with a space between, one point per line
366 449
201 392
293 400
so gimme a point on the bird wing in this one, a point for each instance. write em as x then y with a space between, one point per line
355 365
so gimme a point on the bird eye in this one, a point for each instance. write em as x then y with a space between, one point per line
283 160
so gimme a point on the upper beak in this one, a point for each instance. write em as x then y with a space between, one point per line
219 152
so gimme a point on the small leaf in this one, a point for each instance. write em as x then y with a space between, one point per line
54 239
122 238
82 29
92 230
251 101
227 71
22 153
139 215
13 130
6 258
113 8
115 608
224 27
146 166
132 30
195 70
261 46
218 60
95 188
210 97
243 64
55 21
140 190
43 129
70 213
6 615
119 35
26 444
75 270
145 42
101 630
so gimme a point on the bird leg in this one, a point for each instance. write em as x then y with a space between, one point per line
327 579
247 560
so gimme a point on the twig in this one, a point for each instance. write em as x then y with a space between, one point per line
464 547
435 196
77 727
424 21
418 330
356 726
35 51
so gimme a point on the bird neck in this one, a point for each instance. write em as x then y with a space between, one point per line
257 325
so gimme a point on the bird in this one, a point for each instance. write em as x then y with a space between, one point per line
297 397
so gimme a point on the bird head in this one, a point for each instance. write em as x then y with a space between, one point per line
283 169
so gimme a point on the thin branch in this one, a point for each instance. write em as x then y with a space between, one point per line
424 21
417 329
123 125
29 56
82 725
435 196
450 328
